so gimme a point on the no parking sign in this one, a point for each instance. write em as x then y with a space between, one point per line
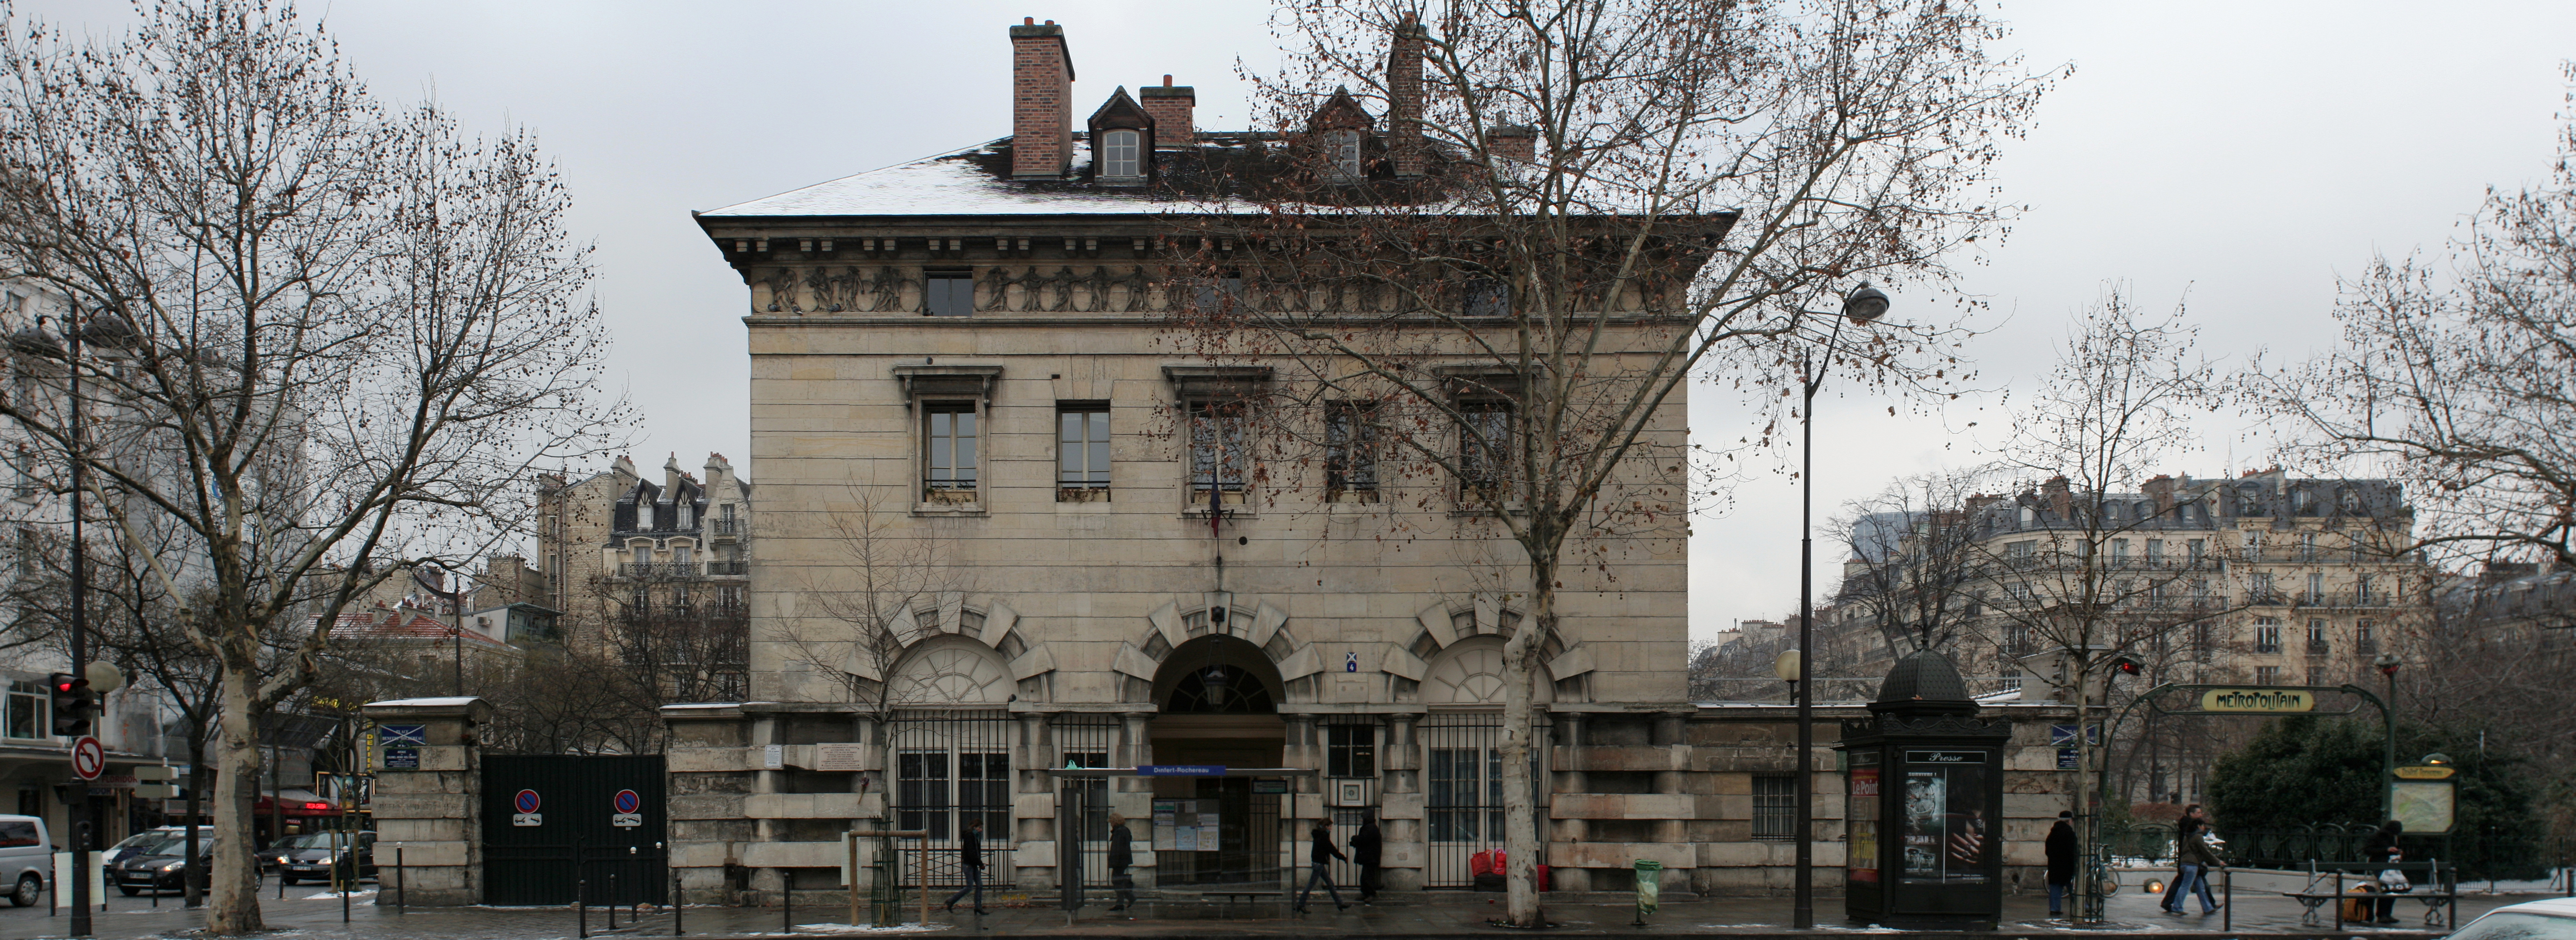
629 809
526 804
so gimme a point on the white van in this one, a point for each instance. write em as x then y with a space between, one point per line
26 855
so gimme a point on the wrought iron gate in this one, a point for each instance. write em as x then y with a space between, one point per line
953 767
1463 798
560 826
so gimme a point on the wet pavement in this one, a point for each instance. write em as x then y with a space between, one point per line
317 915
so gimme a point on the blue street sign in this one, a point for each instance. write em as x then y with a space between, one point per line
1180 770
400 735
2062 735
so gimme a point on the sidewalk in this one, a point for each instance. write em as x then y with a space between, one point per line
317 915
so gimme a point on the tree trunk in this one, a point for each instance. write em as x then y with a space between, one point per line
192 890
1520 811
233 907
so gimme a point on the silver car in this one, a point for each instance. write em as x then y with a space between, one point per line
2551 919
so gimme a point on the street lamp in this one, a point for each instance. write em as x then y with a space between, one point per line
1862 305
1787 667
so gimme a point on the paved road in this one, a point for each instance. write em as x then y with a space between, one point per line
314 914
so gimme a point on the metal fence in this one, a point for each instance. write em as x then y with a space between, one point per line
1463 794
953 767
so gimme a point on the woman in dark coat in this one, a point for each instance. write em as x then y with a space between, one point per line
2061 861
2382 849
1121 856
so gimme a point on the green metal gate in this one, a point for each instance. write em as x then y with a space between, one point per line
557 827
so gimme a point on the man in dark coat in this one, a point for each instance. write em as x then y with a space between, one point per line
1368 848
1321 857
1121 855
970 858
2061 861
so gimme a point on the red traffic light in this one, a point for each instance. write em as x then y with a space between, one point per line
2128 665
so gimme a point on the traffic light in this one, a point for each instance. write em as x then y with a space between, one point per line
2128 665
74 704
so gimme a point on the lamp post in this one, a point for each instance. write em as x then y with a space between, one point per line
1862 305
2388 663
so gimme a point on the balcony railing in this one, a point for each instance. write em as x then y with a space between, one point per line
2347 599
728 569
2319 648
724 527
658 569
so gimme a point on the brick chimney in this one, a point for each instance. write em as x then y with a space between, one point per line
2060 500
1041 100
2161 489
1170 105
1514 141
1404 96
671 473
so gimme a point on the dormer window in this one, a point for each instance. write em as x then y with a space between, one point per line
1120 152
1344 147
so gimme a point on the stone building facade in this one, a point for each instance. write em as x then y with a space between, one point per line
999 540
2265 579
652 572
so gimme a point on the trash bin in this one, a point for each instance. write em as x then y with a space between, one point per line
1650 885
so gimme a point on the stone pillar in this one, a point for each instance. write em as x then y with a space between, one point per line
768 881
1670 734
433 811
1400 805
1033 807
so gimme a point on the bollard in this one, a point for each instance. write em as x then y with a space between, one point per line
676 898
612 900
402 894
580 892
786 902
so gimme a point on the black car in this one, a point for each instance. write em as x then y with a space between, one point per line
309 857
157 868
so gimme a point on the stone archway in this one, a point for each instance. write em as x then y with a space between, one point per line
1233 721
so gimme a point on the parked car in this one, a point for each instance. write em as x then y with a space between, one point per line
150 841
312 854
158 867
26 855
2548 919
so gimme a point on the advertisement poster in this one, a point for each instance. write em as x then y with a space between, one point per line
1861 808
1947 835
1185 826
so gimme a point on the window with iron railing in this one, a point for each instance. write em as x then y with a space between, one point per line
950 458
2365 636
1350 453
2267 675
2317 635
1082 452
2267 635
1775 807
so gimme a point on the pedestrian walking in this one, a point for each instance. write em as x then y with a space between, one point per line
2382 849
970 857
2061 862
1368 848
1121 855
2193 861
1322 856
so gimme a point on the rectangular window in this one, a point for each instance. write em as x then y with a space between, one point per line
948 463
2267 635
2307 546
28 704
2365 636
2316 589
1484 451
2258 587
1775 807
1218 446
2020 550
947 293
921 789
2316 634
1350 750
1487 297
1350 453
2200 591
2120 551
1118 157
2155 551
2195 548
1082 446
1219 294
2361 590
2267 675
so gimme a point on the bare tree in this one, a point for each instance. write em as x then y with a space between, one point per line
1913 572
2117 405
864 613
326 339
1579 205
2459 383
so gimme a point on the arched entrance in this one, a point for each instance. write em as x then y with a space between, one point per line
1217 698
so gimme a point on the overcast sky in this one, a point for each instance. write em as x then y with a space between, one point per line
2244 153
